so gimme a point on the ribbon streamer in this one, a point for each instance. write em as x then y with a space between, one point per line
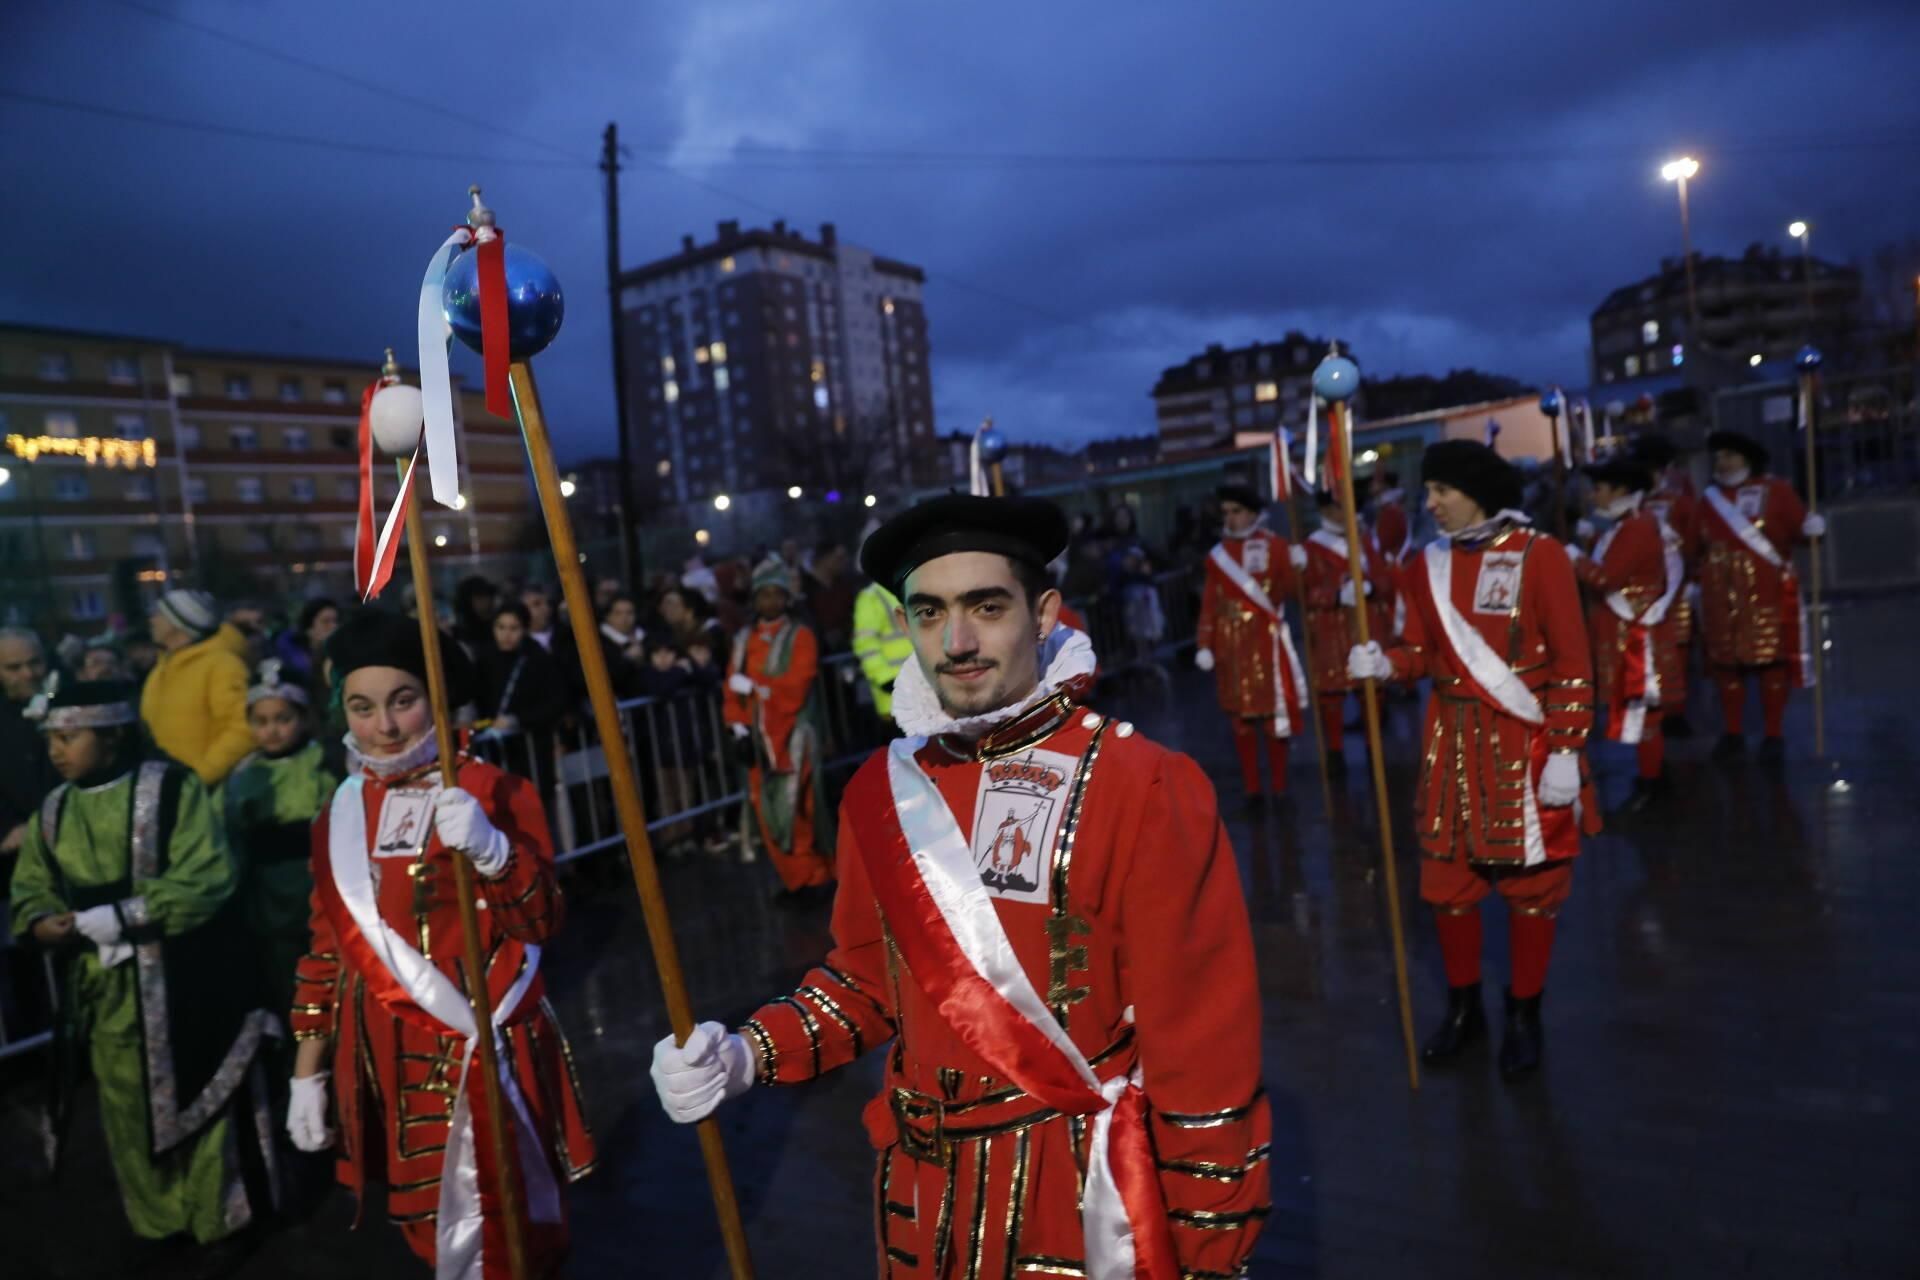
373 557
495 342
1586 427
436 382
1280 465
977 483
1313 438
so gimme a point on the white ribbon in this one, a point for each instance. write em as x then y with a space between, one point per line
1562 429
1313 437
458 1224
1281 638
945 865
1586 426
436 382
977 481
1280 463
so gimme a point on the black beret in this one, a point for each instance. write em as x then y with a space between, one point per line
1475 470
376 638
1244 494
1657 451
1324 498
1746 446
1027 529
1622 471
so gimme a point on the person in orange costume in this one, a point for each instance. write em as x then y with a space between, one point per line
1072 1046
1632 579
1503 797
1329 591
770 708
381 1018
1242 636
1751 613
1676 506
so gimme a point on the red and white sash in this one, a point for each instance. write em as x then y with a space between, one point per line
412 987
1289 677
1639 685
956 950
1795 625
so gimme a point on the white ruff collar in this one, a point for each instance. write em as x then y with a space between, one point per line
1734 482
1388 495
1623 508
1259 523
1490 528
917 710
386 768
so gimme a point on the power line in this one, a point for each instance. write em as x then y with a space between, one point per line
265 135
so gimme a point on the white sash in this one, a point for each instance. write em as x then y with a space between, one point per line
1743 529
1635 727
1282 638
1331 541
945 865
458 1225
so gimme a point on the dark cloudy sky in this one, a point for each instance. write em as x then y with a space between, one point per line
1442 184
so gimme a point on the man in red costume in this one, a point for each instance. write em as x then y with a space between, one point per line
1073 1080
1243 637
1674 504
1632 579
770 708
1752 616
1330 624
1493 619
381 1013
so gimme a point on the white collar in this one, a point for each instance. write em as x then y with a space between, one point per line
1490 528
386 768
1389 495
635 637
1066 655
1746 474
1259 523
1623 508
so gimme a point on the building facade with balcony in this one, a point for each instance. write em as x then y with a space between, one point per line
1200 404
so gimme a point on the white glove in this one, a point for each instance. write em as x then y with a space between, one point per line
739 730
307 1113
1369 662
1814 526
1585 531
1560 783
1574 552
740 684
462 824
101 926
694 1078
506 724
1297 557
1203 659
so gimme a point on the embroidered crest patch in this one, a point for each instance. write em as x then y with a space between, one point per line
1253 557
1016 820
405 819
1498 588
1751 500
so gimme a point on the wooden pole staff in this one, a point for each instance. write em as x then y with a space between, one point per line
626 792
1339 425
1306 647
506 1171
1817 633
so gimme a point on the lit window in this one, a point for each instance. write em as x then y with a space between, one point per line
139 488
64 425
1650 333
79 545
664 467
818 371
301 488
123 371
71 486
1632 366
720 379
727 263
820 397
334 393
130 426
666 365
1266 391
671 390
719 352
181 384
55 366
294 439
243 439
239 387
249 489
887 306
700 355
1755 360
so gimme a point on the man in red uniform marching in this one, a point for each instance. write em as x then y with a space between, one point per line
1073 1081
1674 504
1243 637
1632 579
1329 591
1751 612
381 1013
1493 618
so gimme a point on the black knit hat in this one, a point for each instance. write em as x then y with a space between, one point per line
1244 494
1031 530
1475 470
376 638
1623 471
1656 451
1746 446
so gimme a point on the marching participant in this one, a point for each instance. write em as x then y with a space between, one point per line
1391 527
770 709
1751 613
1674 504
124 872
1073 1085
1493 618
1329 590
382 1017
1243 637
1633 578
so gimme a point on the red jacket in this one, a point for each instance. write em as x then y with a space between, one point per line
1331 622
1240 636
1631 560
1750 611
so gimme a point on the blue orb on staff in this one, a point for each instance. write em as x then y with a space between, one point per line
1336 379
535 306
1808 359
993 446
1550 402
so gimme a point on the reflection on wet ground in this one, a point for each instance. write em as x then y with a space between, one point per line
1729 1089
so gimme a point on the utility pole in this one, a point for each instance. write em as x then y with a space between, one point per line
629 553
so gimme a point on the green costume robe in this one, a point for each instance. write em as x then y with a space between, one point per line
168 1034
270 806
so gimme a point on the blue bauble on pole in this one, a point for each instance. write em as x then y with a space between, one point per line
1336 379
1808 358
993 446
1550 402
535 307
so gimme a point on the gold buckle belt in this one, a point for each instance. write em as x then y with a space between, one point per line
928 1135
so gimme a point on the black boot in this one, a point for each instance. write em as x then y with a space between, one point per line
1466 1021
1646 792
1773 751
1677 727
1520 1048
1730 747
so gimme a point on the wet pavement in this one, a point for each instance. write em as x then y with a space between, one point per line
1733 1027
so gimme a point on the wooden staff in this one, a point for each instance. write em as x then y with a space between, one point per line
626 792
1306 646
506 1172
1809 414
1339 425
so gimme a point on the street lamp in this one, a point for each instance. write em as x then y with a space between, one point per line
872 500
721 502
6 475
1802 231
567 488
1680 171
793 491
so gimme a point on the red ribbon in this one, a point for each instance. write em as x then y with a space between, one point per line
495 343
363 531
1136 1172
